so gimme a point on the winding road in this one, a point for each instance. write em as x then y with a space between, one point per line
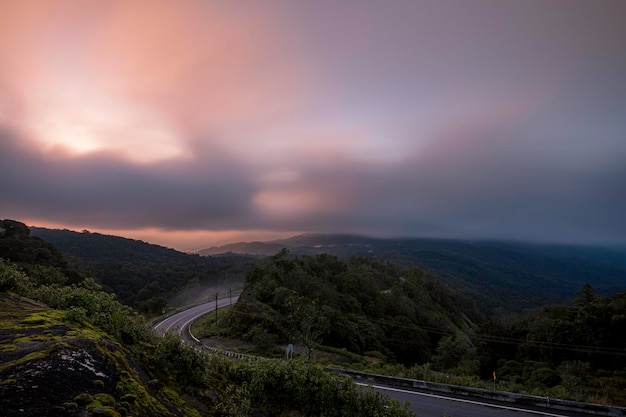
178 323
423 404
429 404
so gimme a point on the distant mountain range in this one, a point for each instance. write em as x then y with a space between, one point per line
509 275
145 275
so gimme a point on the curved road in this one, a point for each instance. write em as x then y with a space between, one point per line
423 404
429 404
177 323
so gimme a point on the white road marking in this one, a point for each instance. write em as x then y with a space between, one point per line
543 413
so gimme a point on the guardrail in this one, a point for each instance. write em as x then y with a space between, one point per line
499 396
215 351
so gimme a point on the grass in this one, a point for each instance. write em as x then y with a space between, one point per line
206 326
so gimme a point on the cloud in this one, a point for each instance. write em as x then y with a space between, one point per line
131 76
439 119
209 190
475 182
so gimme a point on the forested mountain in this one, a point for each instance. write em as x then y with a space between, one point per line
147 276
389 313
361 305
575 350
70 348
508 275
396 315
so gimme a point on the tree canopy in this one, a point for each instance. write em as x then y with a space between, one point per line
361 305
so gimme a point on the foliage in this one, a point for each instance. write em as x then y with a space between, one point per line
180 362
360 305
574 351
496 274
88 313
276 387
84 302
145 276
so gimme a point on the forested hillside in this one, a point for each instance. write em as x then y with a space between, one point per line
575 350
148 276
395 315
508 275
361 305
68 347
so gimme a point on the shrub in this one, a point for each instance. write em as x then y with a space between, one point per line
105 399
83 399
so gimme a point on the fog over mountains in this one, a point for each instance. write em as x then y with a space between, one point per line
495 273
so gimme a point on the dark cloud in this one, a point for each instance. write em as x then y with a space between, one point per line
105 190
511 116
491 184
498 184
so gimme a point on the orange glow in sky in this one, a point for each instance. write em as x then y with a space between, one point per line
209 120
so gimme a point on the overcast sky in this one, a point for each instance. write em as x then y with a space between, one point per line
193 123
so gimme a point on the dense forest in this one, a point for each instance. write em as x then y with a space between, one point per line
373 313
361 305
575 351
511 276
401 316
145 276
74 316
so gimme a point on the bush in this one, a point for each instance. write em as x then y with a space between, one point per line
282 387
76 315
105 399
181 362
83 399
11 279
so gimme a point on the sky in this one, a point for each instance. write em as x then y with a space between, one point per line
196 123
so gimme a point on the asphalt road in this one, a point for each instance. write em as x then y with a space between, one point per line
177 323
423 404
426 404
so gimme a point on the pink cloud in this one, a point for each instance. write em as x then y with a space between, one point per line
116 73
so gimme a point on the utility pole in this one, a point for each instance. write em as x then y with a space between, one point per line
216 308
230 296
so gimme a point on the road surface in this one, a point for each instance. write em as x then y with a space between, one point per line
425 404
177 323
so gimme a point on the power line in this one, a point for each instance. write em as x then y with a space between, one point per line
572 347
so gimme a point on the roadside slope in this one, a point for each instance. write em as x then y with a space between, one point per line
50 365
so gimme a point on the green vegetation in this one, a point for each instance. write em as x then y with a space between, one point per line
276 387
360 313
574 351
355 313
76 320
362 306
146 276
496 274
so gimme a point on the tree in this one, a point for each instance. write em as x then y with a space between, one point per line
586 293
451 352
305 316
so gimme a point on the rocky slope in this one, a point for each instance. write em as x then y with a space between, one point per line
50 366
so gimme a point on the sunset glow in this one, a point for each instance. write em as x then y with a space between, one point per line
183 121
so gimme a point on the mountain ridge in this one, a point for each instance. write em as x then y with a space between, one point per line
145 275
497 273
504 275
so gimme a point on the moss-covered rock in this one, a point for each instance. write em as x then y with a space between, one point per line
52 367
